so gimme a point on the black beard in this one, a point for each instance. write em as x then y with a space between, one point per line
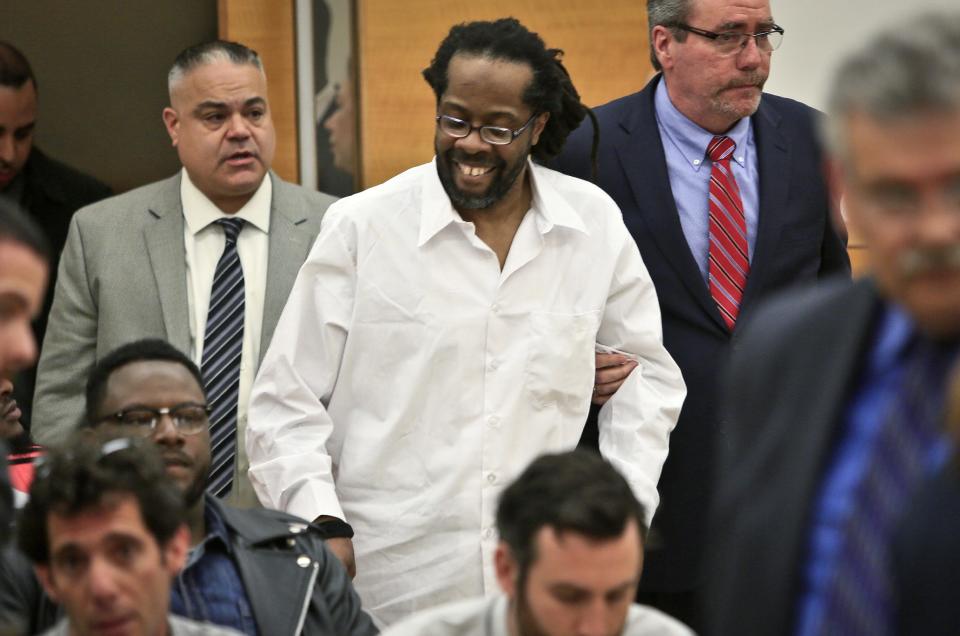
507 175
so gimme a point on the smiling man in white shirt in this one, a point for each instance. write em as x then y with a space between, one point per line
441 335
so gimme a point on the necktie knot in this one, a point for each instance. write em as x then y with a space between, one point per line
231 227
720 148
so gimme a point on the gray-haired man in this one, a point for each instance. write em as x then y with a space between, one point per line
834 398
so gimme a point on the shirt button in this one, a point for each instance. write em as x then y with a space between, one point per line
491 477
493 421
492 365
487 533
495 309
696 162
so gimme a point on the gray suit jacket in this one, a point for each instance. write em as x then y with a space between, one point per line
123 277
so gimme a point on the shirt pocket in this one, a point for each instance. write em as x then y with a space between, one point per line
560 362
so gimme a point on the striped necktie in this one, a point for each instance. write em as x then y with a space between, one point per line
222 348
860 599
728 260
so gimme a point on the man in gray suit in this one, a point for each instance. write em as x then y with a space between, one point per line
221 240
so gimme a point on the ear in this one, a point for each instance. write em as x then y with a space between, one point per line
538 125
506 569
171 121
175 552
835 176
662 39
46 580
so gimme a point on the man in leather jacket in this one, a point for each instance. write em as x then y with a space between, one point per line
258 571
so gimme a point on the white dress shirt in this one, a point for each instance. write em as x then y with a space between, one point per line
204 241
489 617
410 379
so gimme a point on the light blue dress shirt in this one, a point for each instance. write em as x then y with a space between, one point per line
685 148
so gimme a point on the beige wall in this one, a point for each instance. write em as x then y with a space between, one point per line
101 66
267 27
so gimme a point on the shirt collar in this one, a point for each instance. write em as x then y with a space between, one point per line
550 208
199 211
690 139
216 527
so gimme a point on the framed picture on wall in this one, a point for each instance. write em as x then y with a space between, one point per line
327 96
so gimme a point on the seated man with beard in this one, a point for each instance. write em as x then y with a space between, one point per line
568 561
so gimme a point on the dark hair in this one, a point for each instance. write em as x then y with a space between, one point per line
86 473
17 227
15 70
575 491
145 350
551 90
208 52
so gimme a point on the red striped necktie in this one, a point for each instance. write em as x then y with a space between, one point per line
729 263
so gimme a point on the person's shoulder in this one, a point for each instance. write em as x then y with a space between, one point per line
382 203
180 626
583 195
316 200
643 620
789 110
460 618
107 213
779 319
71 185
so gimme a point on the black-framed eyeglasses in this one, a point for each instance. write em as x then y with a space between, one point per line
733 41
496 135
189 418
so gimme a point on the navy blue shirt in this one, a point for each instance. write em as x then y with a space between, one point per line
209 588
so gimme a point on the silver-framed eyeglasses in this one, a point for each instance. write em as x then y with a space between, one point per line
734 41
189 418
496 135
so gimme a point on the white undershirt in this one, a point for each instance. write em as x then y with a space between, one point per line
204 242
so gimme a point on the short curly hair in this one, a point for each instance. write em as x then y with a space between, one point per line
85 473
551 90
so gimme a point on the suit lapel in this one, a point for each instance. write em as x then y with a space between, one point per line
773 164
289 245
641 155
164 239
827 394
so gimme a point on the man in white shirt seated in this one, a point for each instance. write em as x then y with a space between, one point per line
441 335
568 561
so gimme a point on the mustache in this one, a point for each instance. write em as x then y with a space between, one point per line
919 261
240 151
176 457
752 78
482 159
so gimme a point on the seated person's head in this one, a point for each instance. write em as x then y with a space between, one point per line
104 529
152 389
570 551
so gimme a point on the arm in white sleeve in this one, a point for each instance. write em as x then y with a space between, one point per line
289 429
636 422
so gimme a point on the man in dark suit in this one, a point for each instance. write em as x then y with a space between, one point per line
713 57
50 191
833 399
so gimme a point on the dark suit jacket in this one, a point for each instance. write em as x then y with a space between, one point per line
796 243
926 555
794 365
52 192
